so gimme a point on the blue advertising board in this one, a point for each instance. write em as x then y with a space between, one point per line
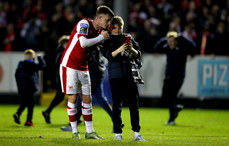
213 78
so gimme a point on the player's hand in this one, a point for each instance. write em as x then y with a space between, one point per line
105 34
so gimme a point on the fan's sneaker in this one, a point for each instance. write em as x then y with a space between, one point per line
92 135
138 138
16 118
76 135
118 137
46 116
30 124
170 123
69 127
66 128
178 108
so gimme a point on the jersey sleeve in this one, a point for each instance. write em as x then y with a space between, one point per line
82 28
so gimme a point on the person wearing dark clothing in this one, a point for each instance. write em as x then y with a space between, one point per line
96 65
27 79
177 49
123 64
219 42
63 41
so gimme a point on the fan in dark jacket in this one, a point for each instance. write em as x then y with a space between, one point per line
27 79
123 71
59 96
177 49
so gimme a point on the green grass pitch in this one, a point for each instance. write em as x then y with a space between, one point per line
194 127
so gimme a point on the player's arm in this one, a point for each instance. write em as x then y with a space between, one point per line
85 42
83 29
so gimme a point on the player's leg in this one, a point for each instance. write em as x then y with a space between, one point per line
86 105
78 115
79 109
69 84
71 108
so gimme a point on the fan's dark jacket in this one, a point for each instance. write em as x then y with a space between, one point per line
177 57
116 67
27 76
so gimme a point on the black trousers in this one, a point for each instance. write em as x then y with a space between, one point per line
170 90
57 99
26 100
97 94
125 88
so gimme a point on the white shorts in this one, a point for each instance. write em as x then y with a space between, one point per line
75 81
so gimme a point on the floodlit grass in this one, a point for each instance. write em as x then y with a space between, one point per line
194 127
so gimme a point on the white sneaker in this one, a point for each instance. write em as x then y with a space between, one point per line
139 138
118 137
170 123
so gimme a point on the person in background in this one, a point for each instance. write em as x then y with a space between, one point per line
177 48
63 41
123 55
74 74
27 79
10 38
219 41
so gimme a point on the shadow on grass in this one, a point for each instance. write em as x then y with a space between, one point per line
37 137
184 126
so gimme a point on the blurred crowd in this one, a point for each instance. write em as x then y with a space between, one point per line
38 24
203 21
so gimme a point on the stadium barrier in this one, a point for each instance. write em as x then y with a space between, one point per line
206 77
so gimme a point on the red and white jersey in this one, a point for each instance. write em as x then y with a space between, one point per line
75 56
